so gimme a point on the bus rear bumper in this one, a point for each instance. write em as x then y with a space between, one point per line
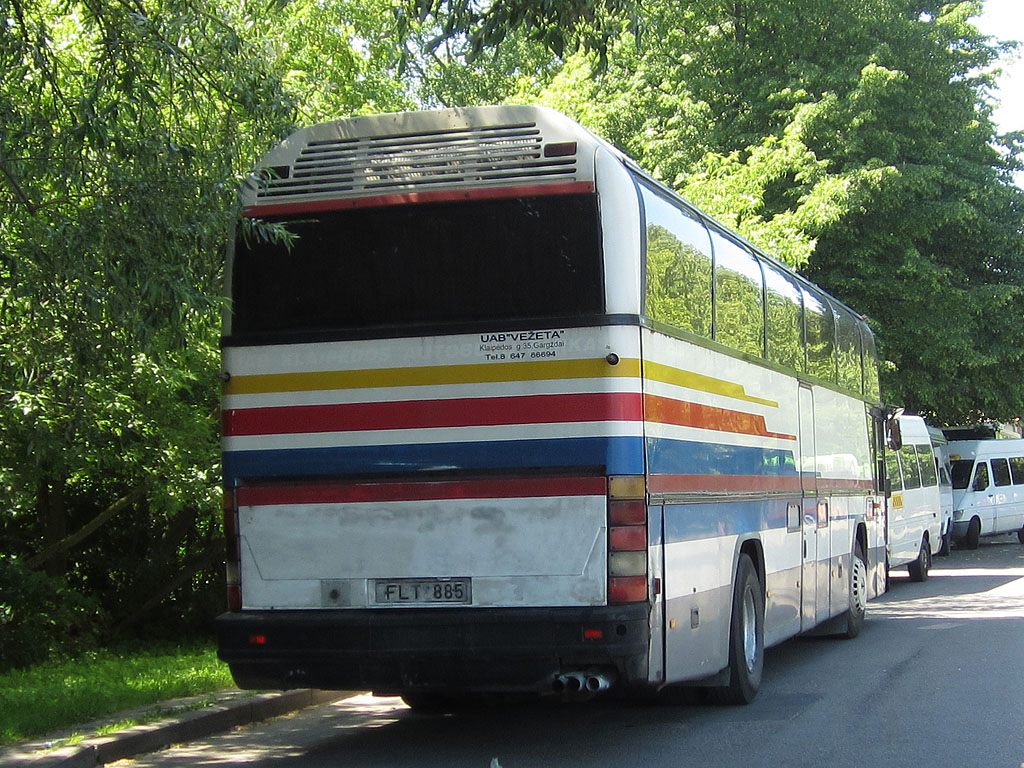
393 652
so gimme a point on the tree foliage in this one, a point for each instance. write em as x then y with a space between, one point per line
562 26
853 141
119 147
125 129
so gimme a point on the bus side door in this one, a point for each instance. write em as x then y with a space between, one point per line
809 518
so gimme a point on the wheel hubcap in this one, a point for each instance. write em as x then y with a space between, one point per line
749 629
858 585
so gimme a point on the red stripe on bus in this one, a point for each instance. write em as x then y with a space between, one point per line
721 483
407 198
424 414
490 488
683 414
826 484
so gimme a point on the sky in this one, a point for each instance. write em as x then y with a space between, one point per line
1004 19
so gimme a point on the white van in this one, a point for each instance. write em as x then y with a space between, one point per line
988 489
914 511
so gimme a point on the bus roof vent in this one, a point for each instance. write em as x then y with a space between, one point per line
464 157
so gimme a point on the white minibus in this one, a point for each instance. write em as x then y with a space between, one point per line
914 519
988 489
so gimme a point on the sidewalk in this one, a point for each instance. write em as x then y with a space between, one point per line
185 720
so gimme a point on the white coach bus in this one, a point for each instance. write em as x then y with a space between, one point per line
503 413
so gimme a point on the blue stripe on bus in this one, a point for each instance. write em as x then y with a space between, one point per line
669 457
687 522
614 455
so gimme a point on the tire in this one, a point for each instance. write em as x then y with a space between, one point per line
973 534
429 702
1020 535
746 638
858 594
919 568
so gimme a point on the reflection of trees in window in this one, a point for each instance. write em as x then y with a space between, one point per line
911 470
980 477
892 471
678 282
678 267
848 350
785 329
748 302
926 463
739 298
1001 471
871 385
821 336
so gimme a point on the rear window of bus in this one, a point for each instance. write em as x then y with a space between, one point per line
423 264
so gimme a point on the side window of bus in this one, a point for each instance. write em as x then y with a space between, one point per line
980 477
1017 470
678 266
926 462
892 471
1001 472
785 310
848 350
821 336
911 469
739 297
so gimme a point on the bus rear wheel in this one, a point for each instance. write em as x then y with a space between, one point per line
746 638
919 568
858 594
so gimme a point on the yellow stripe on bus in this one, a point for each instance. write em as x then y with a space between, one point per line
479 373
430 376
691 380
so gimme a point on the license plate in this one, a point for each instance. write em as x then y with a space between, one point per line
423 591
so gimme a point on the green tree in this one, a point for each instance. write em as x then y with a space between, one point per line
855 142
122 131
125 129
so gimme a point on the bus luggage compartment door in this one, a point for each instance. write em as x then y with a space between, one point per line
523 543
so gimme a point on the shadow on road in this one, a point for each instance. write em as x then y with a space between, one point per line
986 583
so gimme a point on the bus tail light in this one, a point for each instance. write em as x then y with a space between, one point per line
631 589
627 539
233 554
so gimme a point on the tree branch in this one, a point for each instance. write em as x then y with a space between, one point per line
86 530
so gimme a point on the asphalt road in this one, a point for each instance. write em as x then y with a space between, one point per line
935 679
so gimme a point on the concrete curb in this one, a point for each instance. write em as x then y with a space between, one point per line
184 727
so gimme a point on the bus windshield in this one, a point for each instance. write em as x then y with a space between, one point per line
423 265
962 473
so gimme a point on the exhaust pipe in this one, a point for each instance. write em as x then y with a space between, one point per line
573 682
598 683
582 682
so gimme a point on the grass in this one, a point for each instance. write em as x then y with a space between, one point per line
58 695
